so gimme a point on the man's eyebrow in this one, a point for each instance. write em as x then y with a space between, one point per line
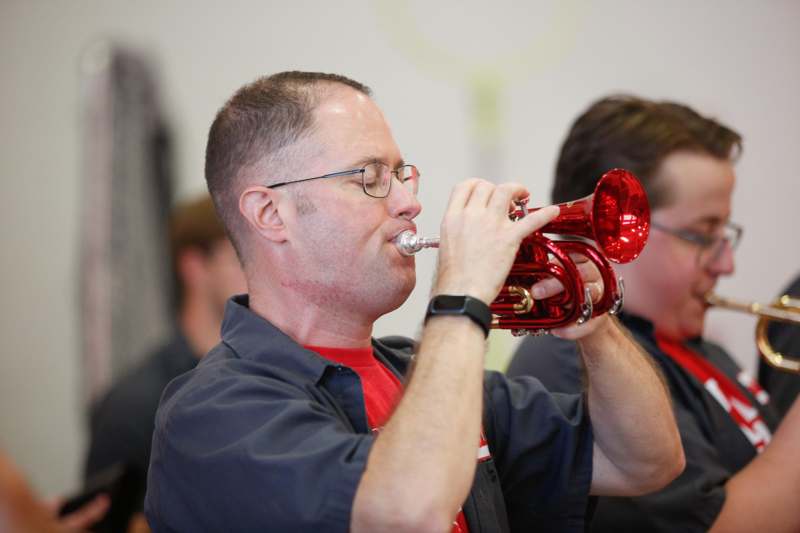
375 159
710 220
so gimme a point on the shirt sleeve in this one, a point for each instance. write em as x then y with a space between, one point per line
252 454
553 361
690 503
542 445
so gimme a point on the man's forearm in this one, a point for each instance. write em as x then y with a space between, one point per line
422 464
637 444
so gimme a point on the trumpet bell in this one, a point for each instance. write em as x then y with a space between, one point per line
616 217
621 216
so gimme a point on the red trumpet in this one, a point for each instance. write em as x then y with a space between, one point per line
616 217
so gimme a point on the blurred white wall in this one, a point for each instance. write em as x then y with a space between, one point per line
739 62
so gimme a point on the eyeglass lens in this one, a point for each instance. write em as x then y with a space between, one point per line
728 238
378 179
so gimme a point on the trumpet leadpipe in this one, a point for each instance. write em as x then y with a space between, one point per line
787 311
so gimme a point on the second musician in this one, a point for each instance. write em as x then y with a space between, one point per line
741 472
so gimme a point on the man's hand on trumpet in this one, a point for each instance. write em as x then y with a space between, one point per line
478 239
592 280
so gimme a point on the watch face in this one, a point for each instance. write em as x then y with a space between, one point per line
449 303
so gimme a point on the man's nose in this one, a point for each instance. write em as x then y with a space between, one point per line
402 202
722 263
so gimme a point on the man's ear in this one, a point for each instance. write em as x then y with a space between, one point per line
259 206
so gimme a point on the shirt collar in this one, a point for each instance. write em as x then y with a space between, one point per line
637 323
254 338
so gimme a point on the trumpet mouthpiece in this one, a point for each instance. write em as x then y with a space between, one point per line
410 243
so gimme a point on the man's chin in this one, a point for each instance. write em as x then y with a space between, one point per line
406 288
693 328
689 327
694 319
406 278
400 289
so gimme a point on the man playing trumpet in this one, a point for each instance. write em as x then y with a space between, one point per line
741 474
301 421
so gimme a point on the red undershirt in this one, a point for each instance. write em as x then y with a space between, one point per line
382 391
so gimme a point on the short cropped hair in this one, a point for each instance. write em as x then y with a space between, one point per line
253 128
193 225
636 134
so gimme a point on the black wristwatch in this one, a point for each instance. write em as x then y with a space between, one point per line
475 309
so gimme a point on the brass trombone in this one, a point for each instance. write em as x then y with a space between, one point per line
786 309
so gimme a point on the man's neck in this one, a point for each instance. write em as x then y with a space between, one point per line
309 322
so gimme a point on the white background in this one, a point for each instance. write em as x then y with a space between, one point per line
737 61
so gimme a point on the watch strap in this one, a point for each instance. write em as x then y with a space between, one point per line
461 305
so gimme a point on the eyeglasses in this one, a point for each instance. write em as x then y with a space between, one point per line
376 178
710 247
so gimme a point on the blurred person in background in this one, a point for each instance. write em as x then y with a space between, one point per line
741 474
206 273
